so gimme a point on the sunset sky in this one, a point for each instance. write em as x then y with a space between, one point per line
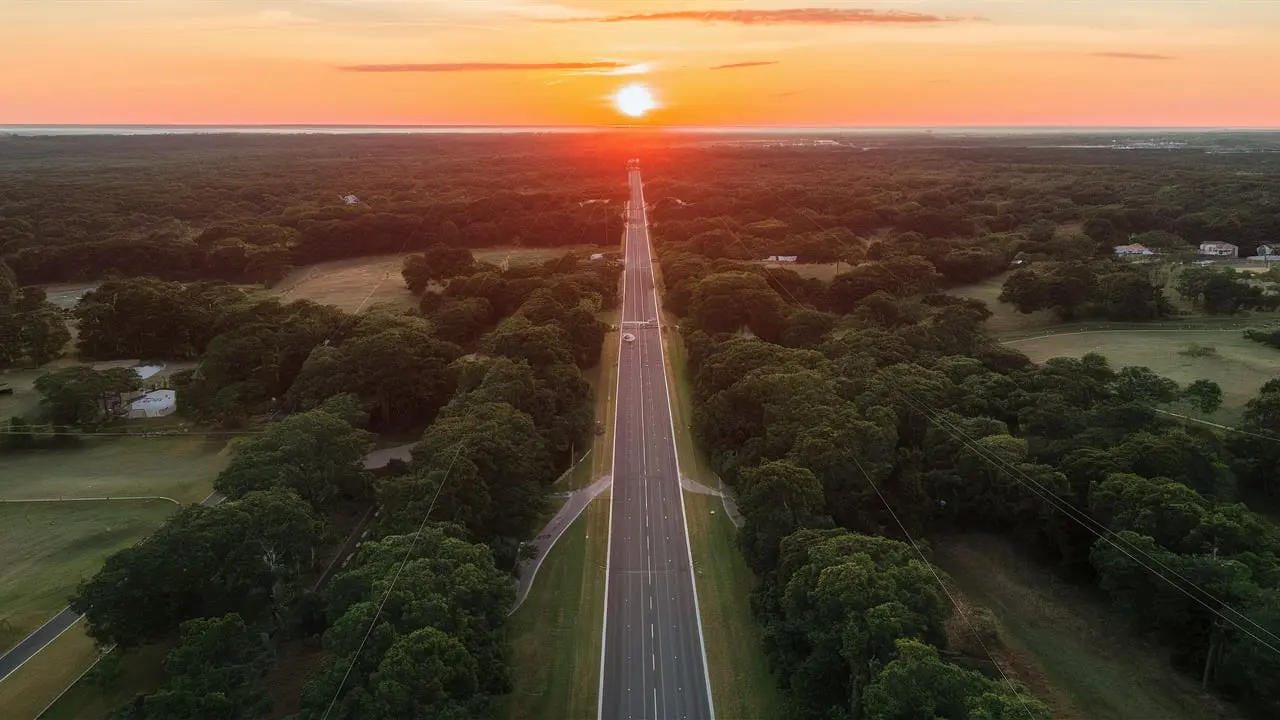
708 62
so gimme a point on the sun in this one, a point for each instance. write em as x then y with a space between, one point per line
635 100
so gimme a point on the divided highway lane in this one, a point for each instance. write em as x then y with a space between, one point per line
652 662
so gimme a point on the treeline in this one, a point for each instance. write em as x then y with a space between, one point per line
904 408
33 331
245 208
241 210
1226 291
969 189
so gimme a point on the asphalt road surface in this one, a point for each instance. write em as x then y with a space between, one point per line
652 664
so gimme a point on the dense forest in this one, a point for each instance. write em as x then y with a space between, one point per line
854 416
502 405
843 419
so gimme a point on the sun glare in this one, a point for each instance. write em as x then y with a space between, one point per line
634 100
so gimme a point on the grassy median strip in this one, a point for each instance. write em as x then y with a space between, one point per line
556 634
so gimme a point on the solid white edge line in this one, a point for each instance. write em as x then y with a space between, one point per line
688 546
47 643
613 461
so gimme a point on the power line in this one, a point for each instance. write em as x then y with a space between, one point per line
1104 533
1057 503
943 585
394 578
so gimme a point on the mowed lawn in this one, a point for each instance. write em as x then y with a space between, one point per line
360 283
1240 366
49 547
182 468
556 634
46 549
1067 643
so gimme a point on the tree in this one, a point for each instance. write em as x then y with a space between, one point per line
438 262
83 397
43 334
1142 384
437 647
318 455
776 499
1205 396
918 684
1062 288
427 673
246 557
216 672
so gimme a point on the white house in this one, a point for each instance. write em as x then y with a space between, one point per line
156 403
1219 249
1133 249
781 258
350 199
597 256
1269 249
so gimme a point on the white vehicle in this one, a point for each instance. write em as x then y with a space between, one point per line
628 337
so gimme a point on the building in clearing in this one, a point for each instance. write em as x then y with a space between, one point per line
157 403
782 258
1219 249
1269 249
1132 250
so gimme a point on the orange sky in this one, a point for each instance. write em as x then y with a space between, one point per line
817 63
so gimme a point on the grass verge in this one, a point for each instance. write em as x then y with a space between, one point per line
556 634
35 685
139 673
741 683
1090 665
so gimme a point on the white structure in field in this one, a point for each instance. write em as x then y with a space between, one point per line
350 199
1269 249
157 403
1134 249
1219 249
782 258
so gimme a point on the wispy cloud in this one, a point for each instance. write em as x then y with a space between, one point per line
790 16
621 69
734 66
478 67
1134 56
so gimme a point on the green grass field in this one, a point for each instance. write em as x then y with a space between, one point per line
1240 366
46 549
556 634
1066 643
182 468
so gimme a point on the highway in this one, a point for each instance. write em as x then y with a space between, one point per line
652 663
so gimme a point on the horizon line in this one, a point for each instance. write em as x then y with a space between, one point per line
624 126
